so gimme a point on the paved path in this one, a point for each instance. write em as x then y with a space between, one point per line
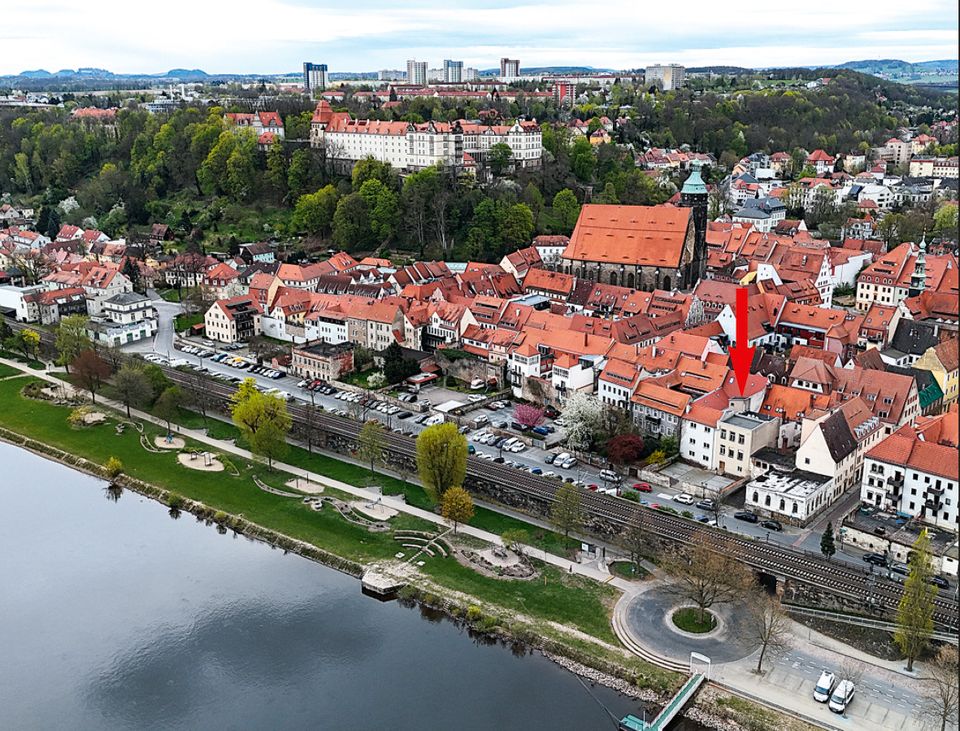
395 502
884 700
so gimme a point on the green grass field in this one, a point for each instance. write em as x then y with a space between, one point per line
569 600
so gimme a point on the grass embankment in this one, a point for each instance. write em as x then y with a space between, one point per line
567 600
484 518
6 371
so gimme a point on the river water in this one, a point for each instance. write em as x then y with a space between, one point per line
115 616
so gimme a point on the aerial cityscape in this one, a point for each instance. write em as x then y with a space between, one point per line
520 366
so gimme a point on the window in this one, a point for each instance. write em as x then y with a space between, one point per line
740 439
806 460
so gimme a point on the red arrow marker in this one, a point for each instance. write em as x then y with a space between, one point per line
741 354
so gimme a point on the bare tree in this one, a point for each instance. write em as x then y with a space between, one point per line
941 703
767 626
636 537
707 575
851 670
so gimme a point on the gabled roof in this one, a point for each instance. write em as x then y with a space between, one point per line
632 235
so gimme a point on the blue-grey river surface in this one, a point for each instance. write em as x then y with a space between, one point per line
115 616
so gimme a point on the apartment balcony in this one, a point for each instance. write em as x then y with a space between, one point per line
895 481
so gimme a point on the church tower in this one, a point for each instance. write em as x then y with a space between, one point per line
694 195
918 280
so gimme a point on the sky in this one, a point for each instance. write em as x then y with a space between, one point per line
274 36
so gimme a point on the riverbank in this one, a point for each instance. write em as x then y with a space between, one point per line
566 615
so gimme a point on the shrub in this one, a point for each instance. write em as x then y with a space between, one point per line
219 517
474 613
658 457
174 500
77 415
686 514
113 467
630 495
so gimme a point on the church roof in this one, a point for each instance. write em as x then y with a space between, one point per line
633 235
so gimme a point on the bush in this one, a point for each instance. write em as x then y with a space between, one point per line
77 415
658 457
113 467
630 495
686 514
474 613
220 517
174 500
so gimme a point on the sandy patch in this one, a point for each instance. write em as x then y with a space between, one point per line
204 462
376 511
304 485
174 443
94 418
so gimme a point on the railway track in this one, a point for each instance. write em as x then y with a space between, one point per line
777 560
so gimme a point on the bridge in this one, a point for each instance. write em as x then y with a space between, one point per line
669 712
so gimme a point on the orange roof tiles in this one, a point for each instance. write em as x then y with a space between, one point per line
634 235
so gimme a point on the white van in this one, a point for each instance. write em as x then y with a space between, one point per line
842 695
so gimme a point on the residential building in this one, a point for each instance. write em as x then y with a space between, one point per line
786 494
740 436
315 77
324 361
509 69
233 320
452 71
914 471
667 77
417 72
123 318
943 362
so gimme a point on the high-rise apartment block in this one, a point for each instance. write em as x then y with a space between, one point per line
416 72
452 71
315 77
667 77
509 69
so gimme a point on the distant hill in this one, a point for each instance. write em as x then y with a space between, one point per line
889 66
551 70
726 70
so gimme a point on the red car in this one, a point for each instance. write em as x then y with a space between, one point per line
642 487
592 487
655 506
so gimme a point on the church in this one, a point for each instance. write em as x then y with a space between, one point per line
642 247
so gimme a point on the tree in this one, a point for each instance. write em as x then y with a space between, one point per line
940 695
383 209
625 449
767 626
263 420
582 416
915 612
533 199
566 513
499 157
457 506
24 341
708 575
566 209
372 169
370 444
827 546
351 223
277 168
515 539
517 227
582 160
90 370
418 193
167 405
314 212
528 416
441 459
396 366
945 219
636 537
133 386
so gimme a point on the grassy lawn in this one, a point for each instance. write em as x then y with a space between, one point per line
357 378
35 364
628 570
581 602
182 322
688 619
170 295
6 370
569 600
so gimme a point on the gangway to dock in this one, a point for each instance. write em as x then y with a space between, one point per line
669 712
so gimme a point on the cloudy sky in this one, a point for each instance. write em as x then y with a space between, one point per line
271 36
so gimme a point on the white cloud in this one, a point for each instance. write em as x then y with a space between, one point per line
276 35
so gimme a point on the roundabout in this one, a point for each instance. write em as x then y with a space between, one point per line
648 617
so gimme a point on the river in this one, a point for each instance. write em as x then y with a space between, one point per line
115 616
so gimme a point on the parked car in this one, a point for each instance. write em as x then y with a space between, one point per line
568 463
939 581
610 476
498 460
706 504
536 471
408 414
772 525
842 696
824 687
549 458
642 487
900 568
684 499
541 430
877 559
470 449
746 516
